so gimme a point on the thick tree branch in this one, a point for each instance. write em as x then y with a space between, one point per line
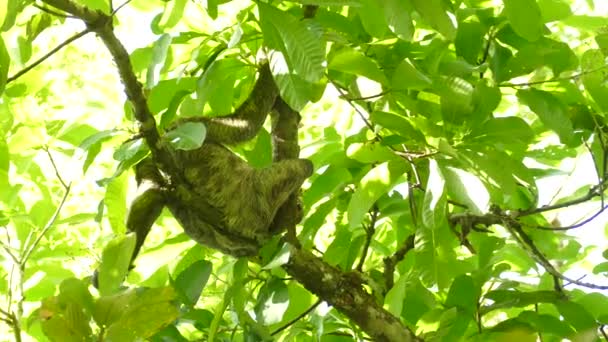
101 24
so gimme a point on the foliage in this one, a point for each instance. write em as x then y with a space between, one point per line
460 151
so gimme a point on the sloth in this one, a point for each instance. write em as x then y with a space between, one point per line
222 202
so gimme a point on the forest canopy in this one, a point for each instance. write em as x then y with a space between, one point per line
458 158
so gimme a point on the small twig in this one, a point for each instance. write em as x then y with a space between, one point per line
350 102
593 192
516 231
573 226
53 218
369 234
55 13
556 79
297 318
47 55
367 97
391 262
65 186
119 7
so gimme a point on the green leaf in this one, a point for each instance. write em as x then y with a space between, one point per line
507 130
295 90
304 52
272 302
371 152
339 3
554 10
546 324
374 184
433 12
187 136
116 202
72 290
159 55
398 124
399 19
463 294
551 111
433 205
190 282
469 41
216 87
372 17
464 187
5 62
64 321
406 77
173 13
9 13
145 314
594 81
115 262
525 18
576 315
354 62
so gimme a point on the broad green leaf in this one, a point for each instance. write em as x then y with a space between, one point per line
64 321
374 184
74 290
433 12
5 62
77 133
163 93
211 7
340 3
115 262
159 55
187 136
525 18
554 10
272 302
116 202
485 100
110 308
399 19
396 295
372 17
510 130
469 41
190 282
304 52
146 314
406 77
173 13
295 90
464 187
327 183
576 315
456 99
37 24
216 87
398 124
369 153
9 11
595 303
454 323
547 324
594 82
544 52
129 150
551 111
434 202
463 294
354 62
